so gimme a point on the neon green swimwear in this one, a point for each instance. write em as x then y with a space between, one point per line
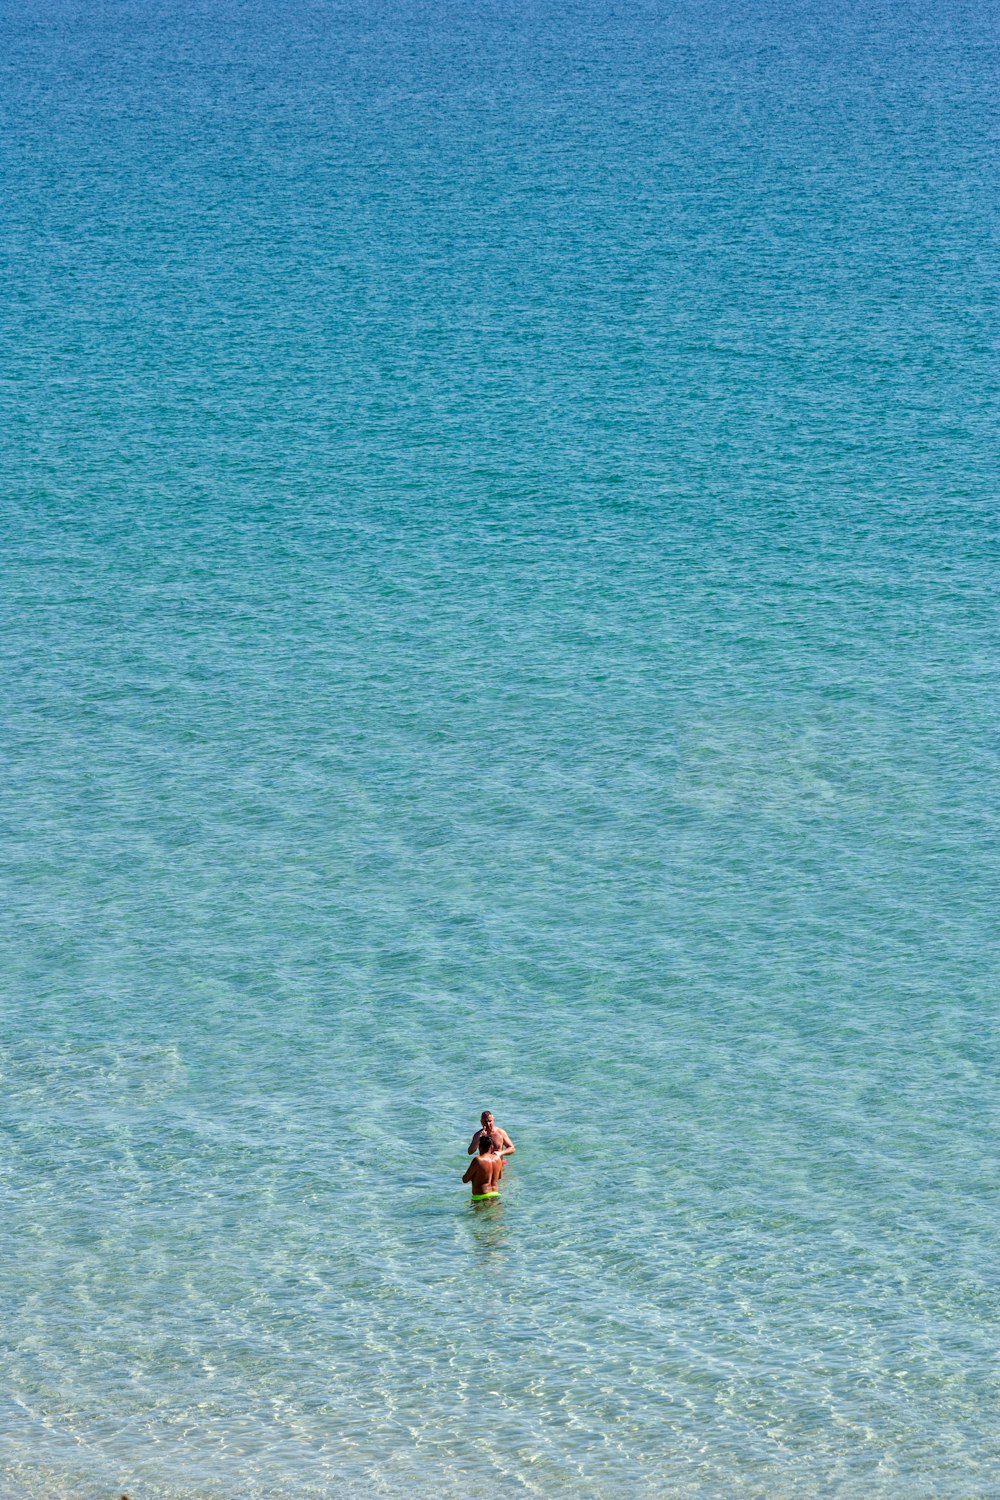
479 1197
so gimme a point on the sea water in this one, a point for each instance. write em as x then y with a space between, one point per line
499 611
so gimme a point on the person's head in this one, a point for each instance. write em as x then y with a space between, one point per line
487 1143
486 1119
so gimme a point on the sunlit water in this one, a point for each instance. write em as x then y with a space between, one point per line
499 610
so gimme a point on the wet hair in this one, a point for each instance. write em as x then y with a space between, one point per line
487 1143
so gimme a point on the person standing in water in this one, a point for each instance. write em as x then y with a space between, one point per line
489 1126
486 1171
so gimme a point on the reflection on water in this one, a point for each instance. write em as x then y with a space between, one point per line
490 1228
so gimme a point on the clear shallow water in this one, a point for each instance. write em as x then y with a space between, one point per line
499 610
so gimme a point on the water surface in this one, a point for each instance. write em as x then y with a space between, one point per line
499 610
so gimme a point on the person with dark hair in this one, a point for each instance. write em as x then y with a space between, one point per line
489 1126
485 1172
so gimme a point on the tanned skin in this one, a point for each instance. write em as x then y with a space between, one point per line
489 1126
485 1172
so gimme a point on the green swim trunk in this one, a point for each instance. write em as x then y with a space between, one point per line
481 1197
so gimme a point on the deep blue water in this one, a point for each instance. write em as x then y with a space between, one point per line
499 609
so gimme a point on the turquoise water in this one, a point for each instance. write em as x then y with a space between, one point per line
499 610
